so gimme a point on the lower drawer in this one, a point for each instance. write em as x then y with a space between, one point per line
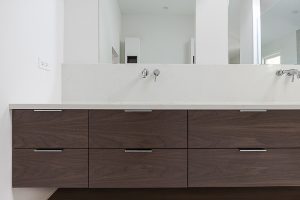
117 168
235 168
63 169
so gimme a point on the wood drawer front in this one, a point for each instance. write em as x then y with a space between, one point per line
118 169
232 168
66 169
235 129
65 129
120 129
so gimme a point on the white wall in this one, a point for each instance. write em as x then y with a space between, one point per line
28 29
81 44
212 32
179 84
164 38
109 29
287 46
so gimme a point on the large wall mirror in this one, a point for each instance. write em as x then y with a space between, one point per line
147 31
182 31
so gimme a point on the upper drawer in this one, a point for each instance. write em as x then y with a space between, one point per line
50 129
121 129
235 129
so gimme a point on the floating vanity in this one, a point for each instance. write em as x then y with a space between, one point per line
156 146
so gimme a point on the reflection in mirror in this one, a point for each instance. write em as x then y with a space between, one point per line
234 31
244 32
280 31
147 31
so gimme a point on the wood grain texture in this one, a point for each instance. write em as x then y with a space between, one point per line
232 168
157 129
66 129
285 193
68 169
234 129
116 169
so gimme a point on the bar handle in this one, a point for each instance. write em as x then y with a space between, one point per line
254 110
253 150
38 110
137 111
48 150
138 150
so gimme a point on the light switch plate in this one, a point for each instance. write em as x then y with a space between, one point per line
43 65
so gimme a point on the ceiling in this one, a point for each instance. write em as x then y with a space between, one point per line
267 5
172 7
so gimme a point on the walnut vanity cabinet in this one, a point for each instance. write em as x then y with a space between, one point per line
156 149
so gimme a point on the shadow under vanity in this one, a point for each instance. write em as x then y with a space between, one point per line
161 154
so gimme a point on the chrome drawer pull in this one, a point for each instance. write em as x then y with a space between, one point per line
253 150
137 111
254 110
47 110
138 150
48 150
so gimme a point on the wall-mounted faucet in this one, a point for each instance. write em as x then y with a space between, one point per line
145 73
290 72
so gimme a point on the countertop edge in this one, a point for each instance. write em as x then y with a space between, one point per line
152 107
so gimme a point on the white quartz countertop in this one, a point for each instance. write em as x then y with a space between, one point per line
151 106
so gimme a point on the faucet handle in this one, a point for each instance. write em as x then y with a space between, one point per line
280 72
293 73
156 73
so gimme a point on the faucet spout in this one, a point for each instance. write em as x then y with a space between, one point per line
290 72
145 73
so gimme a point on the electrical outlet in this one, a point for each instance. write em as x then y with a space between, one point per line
43 65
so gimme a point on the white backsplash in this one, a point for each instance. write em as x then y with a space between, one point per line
178 84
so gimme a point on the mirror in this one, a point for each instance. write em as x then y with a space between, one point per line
280 31
147 31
